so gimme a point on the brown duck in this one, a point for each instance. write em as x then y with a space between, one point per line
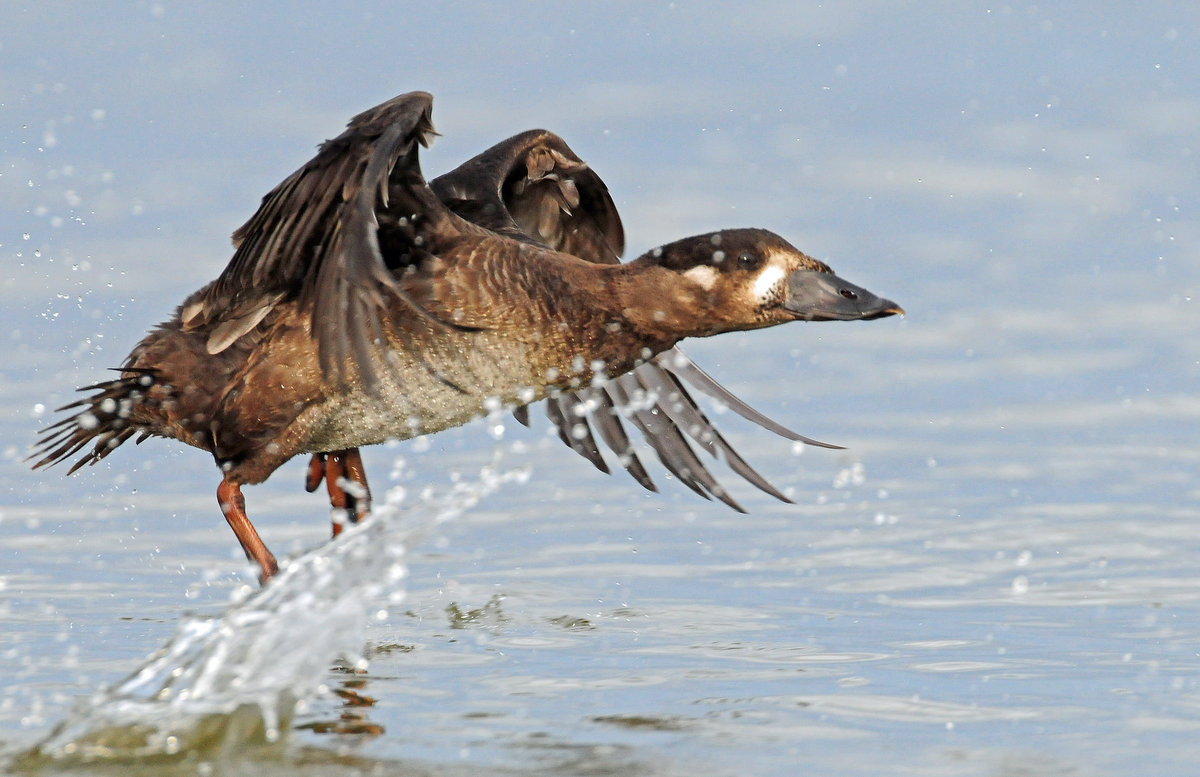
363 304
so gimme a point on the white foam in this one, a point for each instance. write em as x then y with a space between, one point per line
238 677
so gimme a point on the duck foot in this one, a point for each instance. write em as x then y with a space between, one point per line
233 505
346 479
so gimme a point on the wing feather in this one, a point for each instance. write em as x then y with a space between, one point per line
314 240
533 187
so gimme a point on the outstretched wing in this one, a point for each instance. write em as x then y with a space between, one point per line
533 187
315 240
654 398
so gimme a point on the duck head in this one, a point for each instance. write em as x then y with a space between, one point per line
740 279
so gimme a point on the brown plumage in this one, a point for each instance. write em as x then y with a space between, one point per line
533 187
363 305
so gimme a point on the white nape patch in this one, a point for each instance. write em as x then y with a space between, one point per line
705 276
767 282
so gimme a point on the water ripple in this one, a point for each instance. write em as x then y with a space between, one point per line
238 678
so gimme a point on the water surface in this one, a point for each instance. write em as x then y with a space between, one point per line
998 576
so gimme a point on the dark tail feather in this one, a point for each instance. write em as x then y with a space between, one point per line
108 418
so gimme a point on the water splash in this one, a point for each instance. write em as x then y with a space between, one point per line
232 680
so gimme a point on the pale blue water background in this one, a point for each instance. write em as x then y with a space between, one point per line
998 577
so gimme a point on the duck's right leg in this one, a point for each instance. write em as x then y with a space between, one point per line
233 505
346 480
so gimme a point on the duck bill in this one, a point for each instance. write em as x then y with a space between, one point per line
821 296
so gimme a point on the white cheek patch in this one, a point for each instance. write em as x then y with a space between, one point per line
704 276
766 285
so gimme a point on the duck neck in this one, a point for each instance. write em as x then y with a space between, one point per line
617 315
658 307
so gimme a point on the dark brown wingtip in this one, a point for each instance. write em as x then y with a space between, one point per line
509 187
378 118
674 413
353 279
678 364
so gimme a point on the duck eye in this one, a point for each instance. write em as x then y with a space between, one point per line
849 294
747 260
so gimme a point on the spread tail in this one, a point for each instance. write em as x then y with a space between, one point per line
116 412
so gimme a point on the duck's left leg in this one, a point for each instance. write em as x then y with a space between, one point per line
233 505
346 479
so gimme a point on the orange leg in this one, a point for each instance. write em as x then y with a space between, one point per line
233 505
337 468
356 473
316 472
